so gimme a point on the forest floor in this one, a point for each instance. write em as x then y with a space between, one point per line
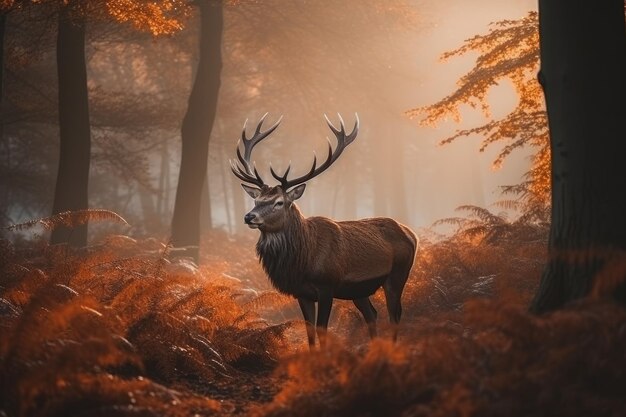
123 328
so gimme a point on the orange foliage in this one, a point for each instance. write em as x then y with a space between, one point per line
119 329
101 328
510 50
494 360
157 17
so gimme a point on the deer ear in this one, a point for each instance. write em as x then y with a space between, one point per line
296 193
252 191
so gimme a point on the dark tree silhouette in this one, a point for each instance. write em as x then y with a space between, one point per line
3 25
196 130
71 191
582 49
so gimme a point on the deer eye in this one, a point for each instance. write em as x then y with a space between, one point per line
278 204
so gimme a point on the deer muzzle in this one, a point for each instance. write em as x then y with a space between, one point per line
252 220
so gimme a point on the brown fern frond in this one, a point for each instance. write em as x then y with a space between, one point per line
483 214
508 204
451 221
268 299
70 219
161 262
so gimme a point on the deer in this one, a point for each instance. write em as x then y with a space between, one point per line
317 259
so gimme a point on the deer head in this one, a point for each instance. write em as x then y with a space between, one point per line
272 204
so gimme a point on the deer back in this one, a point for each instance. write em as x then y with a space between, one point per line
357 250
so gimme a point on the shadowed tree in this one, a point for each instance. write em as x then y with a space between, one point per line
3 25
585 107
196 130
582 75
71 191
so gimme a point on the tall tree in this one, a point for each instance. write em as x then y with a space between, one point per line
3 24
196 129
32 29
583 62
71 189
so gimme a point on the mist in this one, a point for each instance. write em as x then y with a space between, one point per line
491 280
299 61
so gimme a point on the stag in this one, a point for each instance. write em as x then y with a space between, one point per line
317 259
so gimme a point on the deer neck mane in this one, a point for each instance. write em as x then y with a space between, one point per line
283 254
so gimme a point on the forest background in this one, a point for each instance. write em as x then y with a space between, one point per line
131 318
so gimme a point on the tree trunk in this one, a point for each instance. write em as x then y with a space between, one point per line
583 51
206 216
239 205
196 130
3 25
4 146
226 186
349 192
380 178
75 137
151 221
397 185
163 199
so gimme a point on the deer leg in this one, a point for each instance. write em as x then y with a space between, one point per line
393 287
324 305
308 312
369 314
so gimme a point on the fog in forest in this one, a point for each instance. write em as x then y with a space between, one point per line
300 60
131 285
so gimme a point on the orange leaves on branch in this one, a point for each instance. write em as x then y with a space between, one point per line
162 17
510 50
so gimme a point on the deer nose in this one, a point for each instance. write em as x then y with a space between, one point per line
248 218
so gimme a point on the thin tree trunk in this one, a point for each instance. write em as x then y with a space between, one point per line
206 217
397 185
380 176
239 205
226 186
334 205
163 201
3 26
72 182
350 191
150 218
196 130
4 146
351 202
582 74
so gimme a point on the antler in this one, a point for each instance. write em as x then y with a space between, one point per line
243 169
343 140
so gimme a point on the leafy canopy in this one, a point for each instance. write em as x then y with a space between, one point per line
158 17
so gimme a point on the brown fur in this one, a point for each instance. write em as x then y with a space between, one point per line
317 259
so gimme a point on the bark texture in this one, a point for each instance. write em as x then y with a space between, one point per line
196 130
583 75
71 191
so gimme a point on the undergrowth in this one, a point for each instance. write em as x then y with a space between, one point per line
119 329
124 328
496 360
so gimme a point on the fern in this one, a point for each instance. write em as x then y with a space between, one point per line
70 219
